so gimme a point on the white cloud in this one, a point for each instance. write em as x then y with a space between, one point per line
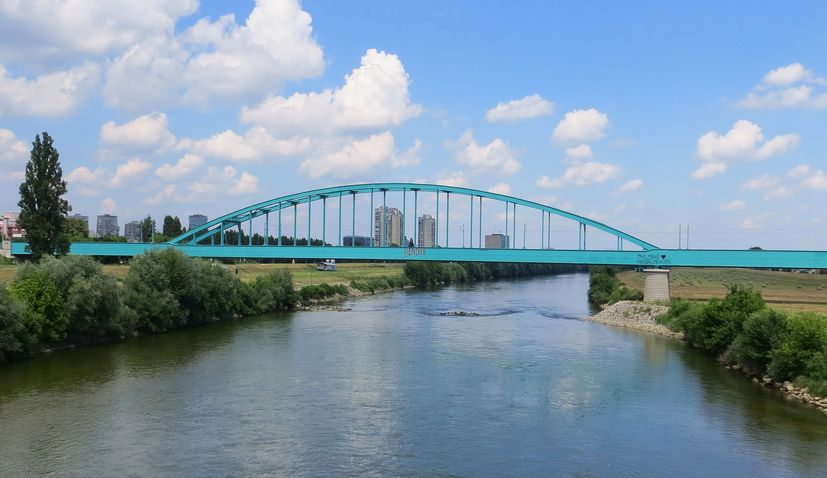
579 152
87 182
778 90
581 126
528 107
217 59
184 166
744 141
357 157
374 96
799 171
129 171
11 148
494 157
707 170
452 178
147 132
50 95
817 180
786 75
754 222
582 175
761 183
108 206
501 188
780 192
46 29
734 205
218 182
256 144
631 185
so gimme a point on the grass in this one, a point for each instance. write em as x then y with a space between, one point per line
783 290
303 274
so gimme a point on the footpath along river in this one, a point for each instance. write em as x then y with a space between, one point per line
391 387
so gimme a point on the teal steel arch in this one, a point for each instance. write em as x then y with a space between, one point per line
247 214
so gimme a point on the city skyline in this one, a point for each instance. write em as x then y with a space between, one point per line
644 125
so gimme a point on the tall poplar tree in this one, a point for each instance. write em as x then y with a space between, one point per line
42 207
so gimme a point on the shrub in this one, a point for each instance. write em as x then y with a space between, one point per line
45 314
220 294
714 327
15 339
802 349
760 335
159 290
272 292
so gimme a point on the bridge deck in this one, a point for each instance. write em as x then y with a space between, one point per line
656 257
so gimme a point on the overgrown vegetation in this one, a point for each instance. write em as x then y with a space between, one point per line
605 288
426 274
740 329
70 301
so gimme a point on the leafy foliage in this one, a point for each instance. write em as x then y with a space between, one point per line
715 326
802 350
761 333
15 339
273 292
172 226
42 207
605 288
45 316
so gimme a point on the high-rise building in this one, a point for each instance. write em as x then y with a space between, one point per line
81 217
390 228
426 231
132 231
107 226
197 220
9 225
496 241
361 241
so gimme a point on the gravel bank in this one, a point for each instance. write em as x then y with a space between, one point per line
635 315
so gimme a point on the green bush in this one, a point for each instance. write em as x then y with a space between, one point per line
15 339
714 327
45 314
605 288
802 349
760 335
272 292
220 294
160 290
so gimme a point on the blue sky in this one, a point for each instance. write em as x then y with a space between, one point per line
643 115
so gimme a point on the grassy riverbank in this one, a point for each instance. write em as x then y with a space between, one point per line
788 291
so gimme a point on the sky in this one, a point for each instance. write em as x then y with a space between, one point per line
641 115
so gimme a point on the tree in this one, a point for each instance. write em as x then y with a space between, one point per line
147 229
42 207
172 226
76 229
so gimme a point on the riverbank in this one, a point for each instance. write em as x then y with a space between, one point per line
649 318
635 315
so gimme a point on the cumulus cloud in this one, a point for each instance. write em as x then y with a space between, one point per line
754 222
49 29
452 178
791 86
744 141
374 96
494 157
799 171
147 132
817 180
631 185
501 188
184 166
11 148
581 126
108 206
579 152
528 107
256 144
129 171
217 59
358 157
760 183
50 95
90 182
734 205
582 175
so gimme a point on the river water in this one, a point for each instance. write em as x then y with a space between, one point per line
393 388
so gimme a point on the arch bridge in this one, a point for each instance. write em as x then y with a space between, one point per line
248 233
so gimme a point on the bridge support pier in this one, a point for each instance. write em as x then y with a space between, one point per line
657 285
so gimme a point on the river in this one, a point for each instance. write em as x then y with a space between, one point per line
391 387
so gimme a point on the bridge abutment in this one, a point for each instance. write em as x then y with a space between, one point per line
657 285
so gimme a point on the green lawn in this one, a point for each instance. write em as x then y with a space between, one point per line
303 274
784 290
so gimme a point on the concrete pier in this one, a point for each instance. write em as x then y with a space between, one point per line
657 285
